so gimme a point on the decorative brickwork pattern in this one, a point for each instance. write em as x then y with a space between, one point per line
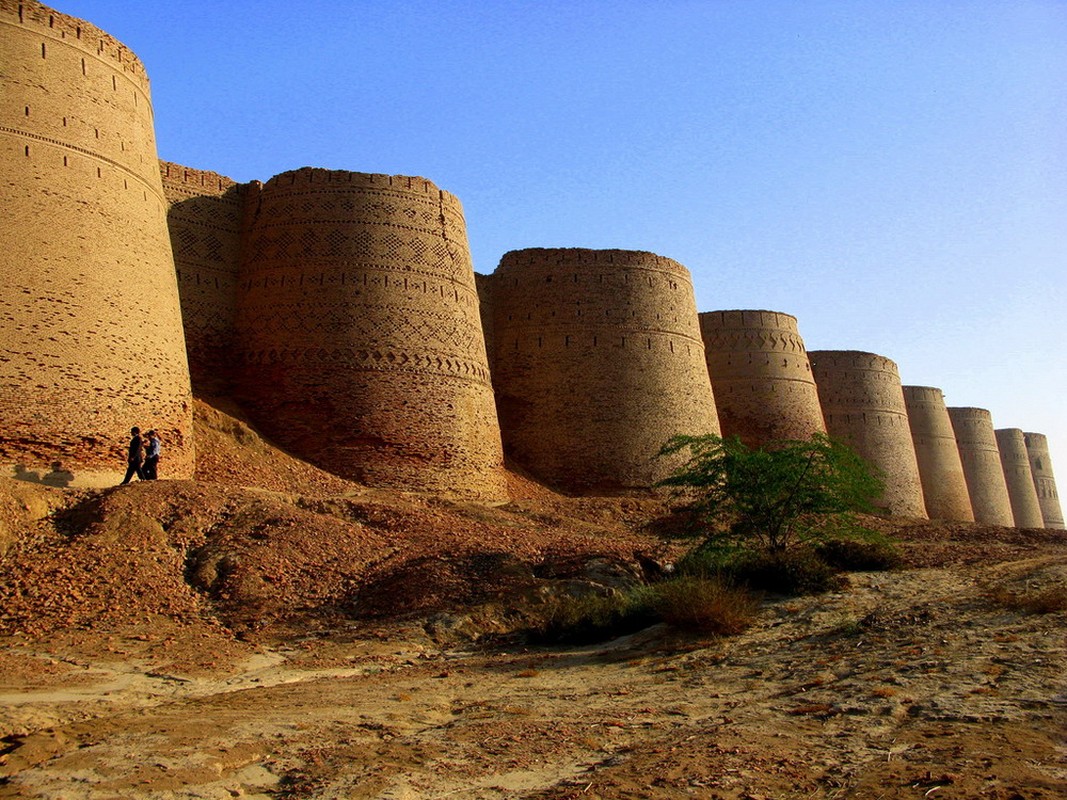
1044 480
981 465
598 361
204 216
940 468
863 404
1022 493
88 300
760 375
360 339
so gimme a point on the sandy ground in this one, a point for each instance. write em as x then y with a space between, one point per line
262 632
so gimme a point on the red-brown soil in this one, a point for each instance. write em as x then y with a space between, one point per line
270 630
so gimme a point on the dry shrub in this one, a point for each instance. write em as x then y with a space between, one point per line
1048 600
705 605
594 618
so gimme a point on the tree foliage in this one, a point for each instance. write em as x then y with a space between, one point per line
768 498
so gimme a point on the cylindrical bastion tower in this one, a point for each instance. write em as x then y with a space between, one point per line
760 376
360 340
598 363
1044 480
940 468
1025 508
981 465
89 312
863 405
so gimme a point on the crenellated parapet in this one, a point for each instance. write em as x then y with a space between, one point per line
597 362
761 376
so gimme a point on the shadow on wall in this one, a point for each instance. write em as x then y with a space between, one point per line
58 477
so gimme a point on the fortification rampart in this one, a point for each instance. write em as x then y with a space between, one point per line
92 330
940 468
980 456
357 306
598 361
1044 479
1019 477
205 216
863 404
760 375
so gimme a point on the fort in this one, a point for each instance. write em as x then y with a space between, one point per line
342 311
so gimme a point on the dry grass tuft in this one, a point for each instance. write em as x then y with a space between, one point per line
705 605
1049 600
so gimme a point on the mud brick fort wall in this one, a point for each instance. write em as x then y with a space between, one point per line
1044 479
760 375
1022 493
205 214
357 307
863 404
597 362
938 457
341 308
973 428
92 327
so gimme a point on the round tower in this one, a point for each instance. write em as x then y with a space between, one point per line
91 324
1044 480
981 465
863 404
598 363
1022 493
940 468
360 339
760 376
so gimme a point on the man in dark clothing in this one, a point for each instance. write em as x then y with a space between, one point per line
134 456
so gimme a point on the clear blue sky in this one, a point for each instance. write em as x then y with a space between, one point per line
893 174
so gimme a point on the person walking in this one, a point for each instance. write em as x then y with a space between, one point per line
134 456
151 459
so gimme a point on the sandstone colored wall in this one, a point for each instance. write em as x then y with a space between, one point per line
1022 493
760 375
92 325
204 216
598 361
1044 480
863 405
938 457
981 465
359 334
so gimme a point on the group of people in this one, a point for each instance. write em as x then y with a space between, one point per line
142 458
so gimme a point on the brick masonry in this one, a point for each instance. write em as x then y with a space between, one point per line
938 457
981 465
863 404
92 327
1022 492
597 362
1044 479
761 376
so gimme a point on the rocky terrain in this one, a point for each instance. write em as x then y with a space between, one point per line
271 631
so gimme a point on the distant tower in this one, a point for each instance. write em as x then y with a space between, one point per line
360 338
863 404
89 312
981 465
1044 480
205 216
760 376
598 362
940 468
1025 508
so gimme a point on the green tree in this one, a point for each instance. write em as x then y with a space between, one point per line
768 498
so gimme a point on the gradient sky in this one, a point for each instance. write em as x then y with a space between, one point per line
893 174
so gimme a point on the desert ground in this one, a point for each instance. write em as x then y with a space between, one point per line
268 630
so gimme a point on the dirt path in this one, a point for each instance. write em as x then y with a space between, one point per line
908 684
